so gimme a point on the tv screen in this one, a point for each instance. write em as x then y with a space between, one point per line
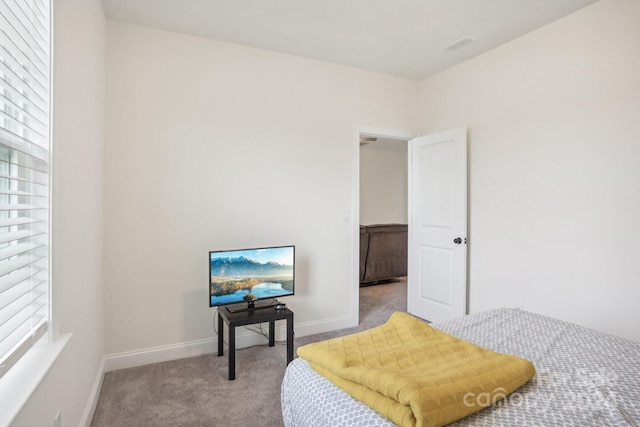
248 275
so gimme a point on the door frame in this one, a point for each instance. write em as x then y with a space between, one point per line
372 131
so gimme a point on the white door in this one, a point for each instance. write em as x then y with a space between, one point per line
437 257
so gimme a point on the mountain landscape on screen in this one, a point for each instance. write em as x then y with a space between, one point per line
243 266
242 278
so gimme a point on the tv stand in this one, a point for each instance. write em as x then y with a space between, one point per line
248 316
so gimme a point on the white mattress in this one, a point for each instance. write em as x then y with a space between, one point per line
584 378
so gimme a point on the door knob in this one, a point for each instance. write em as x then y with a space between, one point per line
457 240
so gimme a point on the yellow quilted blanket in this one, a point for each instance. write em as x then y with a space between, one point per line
416 375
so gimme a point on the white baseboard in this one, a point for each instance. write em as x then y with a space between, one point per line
87 416
132 359
147 356
326 325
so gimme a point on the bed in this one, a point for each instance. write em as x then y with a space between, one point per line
583 378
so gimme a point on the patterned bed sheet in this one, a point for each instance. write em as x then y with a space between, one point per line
584 378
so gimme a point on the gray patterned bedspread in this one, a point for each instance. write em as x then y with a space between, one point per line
584 378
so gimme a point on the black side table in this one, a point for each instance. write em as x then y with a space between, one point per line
250 317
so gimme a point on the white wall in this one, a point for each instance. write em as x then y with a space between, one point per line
383 185
554 154
79 83
217 146
212 145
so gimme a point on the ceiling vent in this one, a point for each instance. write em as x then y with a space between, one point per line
460 43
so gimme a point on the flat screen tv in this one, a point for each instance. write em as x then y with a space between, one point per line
250 275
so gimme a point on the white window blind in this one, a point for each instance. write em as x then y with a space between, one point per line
24 175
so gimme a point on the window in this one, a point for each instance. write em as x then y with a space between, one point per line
24 175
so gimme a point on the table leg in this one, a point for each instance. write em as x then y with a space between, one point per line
220 336
290 339
272 333
232 352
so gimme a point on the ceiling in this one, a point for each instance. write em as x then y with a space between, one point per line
400 37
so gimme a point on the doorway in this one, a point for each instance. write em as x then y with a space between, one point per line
437 210
377 201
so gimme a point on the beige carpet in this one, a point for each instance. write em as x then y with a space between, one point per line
195 391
